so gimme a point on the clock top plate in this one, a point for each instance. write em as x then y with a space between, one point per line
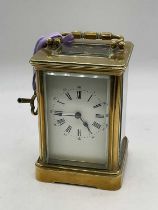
92 53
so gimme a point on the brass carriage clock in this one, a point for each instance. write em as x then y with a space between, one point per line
81 83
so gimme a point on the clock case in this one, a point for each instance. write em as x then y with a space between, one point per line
98 54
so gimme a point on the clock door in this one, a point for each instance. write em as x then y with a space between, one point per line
77 119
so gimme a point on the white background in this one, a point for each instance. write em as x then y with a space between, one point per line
21 23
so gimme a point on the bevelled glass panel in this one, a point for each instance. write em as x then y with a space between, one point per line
77 118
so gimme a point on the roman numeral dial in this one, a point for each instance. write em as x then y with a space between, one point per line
99 116
96 125
59 113
97 105
79 94
79 134
68 95
68 129
79 114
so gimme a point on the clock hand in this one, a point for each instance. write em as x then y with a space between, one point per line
78 116
87 126
68 114
60 113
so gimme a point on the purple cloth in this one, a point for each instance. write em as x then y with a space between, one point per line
68 39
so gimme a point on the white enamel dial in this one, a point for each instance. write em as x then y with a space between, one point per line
77 117
78 113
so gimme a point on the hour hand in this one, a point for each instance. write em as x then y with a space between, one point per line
78 116
60 113
87 126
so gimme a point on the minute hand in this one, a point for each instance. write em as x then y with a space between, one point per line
64 114
68 114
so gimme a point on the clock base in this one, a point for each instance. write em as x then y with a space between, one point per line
106 180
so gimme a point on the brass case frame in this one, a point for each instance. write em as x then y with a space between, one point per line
106 180
111 178
117 68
